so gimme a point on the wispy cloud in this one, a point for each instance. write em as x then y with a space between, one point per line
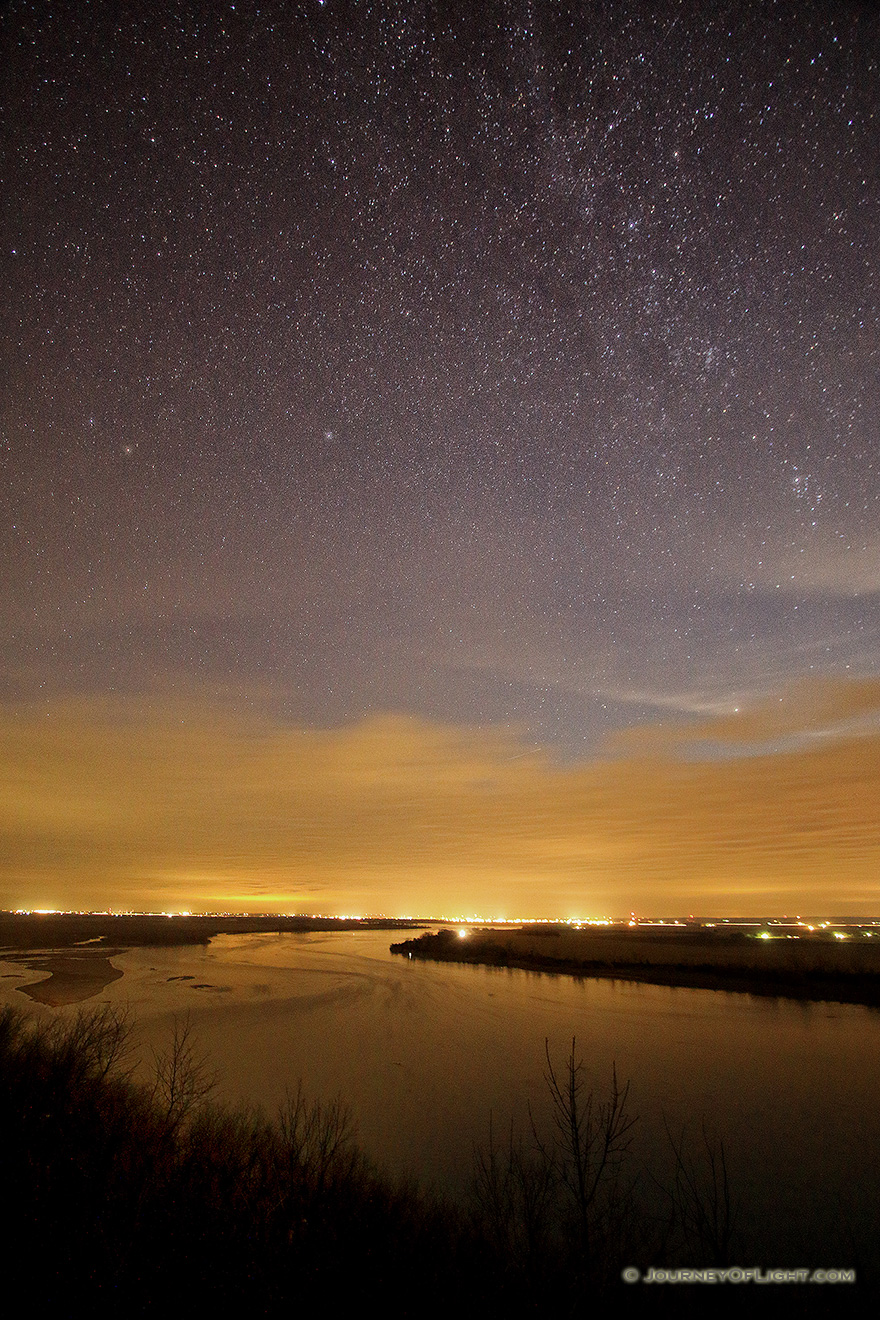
821 565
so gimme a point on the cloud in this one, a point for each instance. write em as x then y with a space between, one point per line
143 805
801 711
824 566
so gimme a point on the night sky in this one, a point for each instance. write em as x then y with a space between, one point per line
440 464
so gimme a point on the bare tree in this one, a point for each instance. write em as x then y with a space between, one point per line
104 1036
514 1189
181 1077
562 1202
702 1201
591 1140
316 1138
92 1045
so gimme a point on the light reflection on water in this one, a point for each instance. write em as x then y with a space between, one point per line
423 1052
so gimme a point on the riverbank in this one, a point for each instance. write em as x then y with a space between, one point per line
814 966
155 1200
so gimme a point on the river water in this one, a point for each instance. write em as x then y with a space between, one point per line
423 1053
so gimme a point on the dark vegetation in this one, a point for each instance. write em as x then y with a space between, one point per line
152 1200
148 1199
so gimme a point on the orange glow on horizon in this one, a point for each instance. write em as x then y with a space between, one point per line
115 805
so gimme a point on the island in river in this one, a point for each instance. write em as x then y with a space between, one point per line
840 965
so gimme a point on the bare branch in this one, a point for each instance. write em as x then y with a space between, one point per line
182 1079
702 1198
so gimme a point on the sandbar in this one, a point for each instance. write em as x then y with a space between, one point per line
72 977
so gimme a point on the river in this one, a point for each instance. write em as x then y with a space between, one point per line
423 1053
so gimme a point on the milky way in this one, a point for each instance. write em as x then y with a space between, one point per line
508 364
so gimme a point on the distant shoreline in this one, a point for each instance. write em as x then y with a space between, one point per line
75 949
693 960
55 930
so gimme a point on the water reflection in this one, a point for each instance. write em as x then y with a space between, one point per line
424 1052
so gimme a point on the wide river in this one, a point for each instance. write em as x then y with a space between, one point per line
423 1053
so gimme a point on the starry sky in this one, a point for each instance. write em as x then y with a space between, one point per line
439 453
